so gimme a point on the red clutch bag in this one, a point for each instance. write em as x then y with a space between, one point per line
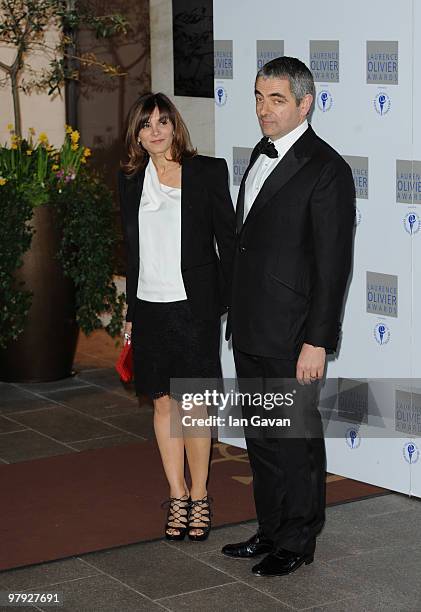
124 365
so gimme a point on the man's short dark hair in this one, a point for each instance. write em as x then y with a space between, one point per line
300 79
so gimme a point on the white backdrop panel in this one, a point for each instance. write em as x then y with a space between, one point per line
354 126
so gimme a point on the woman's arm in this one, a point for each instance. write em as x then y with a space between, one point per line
223 222
131 279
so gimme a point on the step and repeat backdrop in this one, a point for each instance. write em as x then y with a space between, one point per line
365 58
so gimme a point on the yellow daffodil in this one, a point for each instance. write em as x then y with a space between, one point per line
87 152
55 167
43 138
3 181
83 160
75 136
10 127
29 152
74 147
14 146
68 129
14 139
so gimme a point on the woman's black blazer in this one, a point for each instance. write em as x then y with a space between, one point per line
207 214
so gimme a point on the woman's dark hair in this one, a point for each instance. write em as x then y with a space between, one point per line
139 114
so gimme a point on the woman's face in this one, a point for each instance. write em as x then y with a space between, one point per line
156 135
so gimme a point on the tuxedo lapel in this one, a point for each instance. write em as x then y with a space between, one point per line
297 156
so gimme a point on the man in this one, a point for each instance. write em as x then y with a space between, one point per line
295 219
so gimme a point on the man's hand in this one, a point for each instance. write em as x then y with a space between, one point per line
311 364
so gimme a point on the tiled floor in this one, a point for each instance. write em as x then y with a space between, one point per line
92 409
368 559
368 556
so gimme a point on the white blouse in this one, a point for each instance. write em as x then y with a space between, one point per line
160 278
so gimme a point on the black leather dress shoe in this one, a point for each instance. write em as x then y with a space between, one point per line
250 548
281 563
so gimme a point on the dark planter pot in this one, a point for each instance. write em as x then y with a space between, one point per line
45 350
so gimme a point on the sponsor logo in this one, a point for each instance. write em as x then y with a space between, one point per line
240 161
352 401
412 223
359 167
220 96
267 50
408 181
352 438
324 60
408 412
382 294
411 453
223 61
381 333
324 101
382 103
382 62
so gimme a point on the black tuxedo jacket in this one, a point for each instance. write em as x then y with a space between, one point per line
294 253
207 214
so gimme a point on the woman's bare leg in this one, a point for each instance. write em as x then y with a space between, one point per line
197 441
169 436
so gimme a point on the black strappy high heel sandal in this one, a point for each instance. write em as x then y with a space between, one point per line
199 519
177 517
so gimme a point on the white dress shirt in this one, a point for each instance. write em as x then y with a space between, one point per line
264 165
160 278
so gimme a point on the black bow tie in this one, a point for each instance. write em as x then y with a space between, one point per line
267 148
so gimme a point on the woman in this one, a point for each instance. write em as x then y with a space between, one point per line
174 204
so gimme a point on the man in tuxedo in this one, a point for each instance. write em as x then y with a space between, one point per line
295 220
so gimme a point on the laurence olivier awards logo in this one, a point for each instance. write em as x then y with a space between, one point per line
411 453
267 50
240 161
352 438
408 412
324 60
220 96
408 181
381 333
359 167
223 62
324 100
382 294
382 62
382 103
352 401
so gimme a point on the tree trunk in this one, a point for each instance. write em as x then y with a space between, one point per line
16 103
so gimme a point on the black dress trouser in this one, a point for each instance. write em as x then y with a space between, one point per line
288 464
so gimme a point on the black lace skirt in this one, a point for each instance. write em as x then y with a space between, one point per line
168 343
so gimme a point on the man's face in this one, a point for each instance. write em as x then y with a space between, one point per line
276 107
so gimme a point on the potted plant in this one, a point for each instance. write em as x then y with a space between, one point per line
57 238
56 214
